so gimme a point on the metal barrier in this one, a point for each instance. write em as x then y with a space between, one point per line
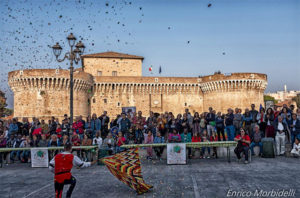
226 144
75 148
49 148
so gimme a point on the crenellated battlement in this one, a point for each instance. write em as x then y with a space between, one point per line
160 85
52 79
232 85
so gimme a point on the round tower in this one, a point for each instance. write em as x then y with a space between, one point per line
233 90
43 93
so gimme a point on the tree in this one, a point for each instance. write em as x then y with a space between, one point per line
2 103
297 100
3 110
270 98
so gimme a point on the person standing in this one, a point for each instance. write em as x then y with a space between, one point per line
149 140
281 130
253 113
229 125
210 120
246 122
294 127
196 123
104 121
186 137
269 118
160 149
237 120
97 126
220 126
124 126
62 165
261 119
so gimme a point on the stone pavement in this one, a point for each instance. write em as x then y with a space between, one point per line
199 178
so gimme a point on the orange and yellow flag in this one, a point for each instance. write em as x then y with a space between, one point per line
126 166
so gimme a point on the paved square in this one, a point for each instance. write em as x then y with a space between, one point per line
199 178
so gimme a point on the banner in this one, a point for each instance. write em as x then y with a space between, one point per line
176 153
39 157
126 166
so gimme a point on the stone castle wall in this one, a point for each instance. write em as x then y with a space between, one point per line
160 94
123 67
45 92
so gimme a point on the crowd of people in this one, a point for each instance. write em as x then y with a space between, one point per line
247 128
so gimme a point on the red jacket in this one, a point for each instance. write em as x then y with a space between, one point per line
246 137
37 131
78 127
58 132
196 139
63 167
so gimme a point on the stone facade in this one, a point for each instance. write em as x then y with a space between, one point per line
45 93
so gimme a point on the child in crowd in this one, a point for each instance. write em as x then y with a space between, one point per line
43 141
205 138
296 148
160 149
174 136
214 138
120 141
139 137
109 143
97 140
196 138
26 143
149 140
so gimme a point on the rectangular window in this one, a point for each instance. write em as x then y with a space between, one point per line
105 101
114 73
99 73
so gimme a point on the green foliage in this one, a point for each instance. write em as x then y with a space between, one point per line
297 100
270 98
3 110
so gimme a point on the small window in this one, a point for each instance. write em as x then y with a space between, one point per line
94 100
119 104
105 101
114 73
185 104
99 73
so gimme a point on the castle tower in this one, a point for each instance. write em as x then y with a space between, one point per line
44 93
112 64
234 90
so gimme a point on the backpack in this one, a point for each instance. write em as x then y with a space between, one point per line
268 148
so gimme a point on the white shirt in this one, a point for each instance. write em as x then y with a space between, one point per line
97 141
76 162
280 126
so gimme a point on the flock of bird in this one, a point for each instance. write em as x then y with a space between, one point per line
27 37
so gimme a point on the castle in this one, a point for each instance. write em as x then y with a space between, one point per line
110 81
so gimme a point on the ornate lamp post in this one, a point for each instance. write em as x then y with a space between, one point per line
74 55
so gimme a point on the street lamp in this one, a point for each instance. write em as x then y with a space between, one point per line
74 55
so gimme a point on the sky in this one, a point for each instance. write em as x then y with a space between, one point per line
184 37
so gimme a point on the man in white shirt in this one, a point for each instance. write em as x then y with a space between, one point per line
62 165
280 129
